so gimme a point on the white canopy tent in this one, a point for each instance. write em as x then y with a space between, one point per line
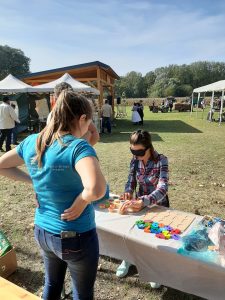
76 85
218 86
11 84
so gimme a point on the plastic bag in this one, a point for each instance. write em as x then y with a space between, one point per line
5 245
197 241
195 245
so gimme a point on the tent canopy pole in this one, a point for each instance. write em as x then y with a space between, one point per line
197 104
192 100
211 107
221 107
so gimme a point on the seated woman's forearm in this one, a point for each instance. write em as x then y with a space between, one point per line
155 197
16 174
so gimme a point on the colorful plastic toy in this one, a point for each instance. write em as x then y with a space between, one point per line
160 230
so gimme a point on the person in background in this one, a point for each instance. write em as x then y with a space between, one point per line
135 115
166 103
147 181
15 129
8 118
92 135
203 104
141 111
106 113
59 159
171 105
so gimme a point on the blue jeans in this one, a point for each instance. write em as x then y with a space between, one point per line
80 254
106 122
6 135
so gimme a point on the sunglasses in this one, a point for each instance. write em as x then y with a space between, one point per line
139 152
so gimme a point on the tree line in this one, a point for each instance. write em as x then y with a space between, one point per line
173 80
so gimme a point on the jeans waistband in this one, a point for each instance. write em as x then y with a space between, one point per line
81 234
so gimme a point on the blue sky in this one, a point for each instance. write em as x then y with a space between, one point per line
128 35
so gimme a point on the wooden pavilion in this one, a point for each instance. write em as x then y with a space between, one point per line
95 74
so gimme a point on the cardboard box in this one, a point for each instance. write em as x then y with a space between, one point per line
8 263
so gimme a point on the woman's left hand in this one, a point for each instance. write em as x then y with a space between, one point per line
75 210
135 205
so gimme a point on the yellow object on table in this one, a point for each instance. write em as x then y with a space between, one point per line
10 291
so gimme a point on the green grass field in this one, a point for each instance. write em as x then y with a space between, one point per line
196 153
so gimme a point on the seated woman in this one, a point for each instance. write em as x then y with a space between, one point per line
148 170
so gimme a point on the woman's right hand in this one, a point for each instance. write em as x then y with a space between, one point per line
75 209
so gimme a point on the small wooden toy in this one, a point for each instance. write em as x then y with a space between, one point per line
171 218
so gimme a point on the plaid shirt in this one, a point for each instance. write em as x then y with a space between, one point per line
151 179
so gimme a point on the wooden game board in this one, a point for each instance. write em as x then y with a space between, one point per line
173 218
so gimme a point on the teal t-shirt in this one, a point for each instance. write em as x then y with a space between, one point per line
57 183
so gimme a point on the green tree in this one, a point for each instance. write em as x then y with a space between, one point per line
172 80
13 61
183 90
132 84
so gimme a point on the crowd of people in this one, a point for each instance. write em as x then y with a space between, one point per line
62 158
165 106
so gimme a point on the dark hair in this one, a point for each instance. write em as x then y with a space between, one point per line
5 99
61 87
143 137
65 114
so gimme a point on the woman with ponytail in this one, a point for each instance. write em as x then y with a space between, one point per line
147 180
66 177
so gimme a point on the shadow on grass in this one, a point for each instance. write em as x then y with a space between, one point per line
176 126
172 294
132 280
124 136
123 128
28 279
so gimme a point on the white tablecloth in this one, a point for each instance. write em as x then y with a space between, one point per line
157 260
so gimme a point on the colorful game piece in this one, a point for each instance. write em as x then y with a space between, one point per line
160 236
176 237
165 232
141 226
167 235
155 225
147 230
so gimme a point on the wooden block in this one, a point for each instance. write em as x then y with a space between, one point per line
10 291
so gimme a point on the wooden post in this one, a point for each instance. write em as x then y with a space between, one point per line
100 87
113 96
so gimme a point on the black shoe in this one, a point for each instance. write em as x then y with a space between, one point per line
16 143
